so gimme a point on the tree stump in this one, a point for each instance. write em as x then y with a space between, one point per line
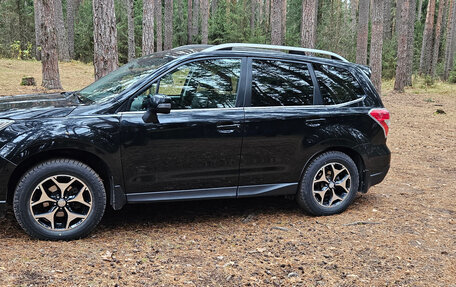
28 81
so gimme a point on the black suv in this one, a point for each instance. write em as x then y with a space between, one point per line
195 122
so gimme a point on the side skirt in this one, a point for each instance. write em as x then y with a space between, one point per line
214 193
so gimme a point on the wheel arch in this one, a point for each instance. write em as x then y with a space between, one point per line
88 158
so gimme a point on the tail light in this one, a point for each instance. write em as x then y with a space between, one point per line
382 117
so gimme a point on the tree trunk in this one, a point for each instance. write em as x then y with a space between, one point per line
252 16
37 13
435 53
130 30
158 26
49 53
168 37
148 27
353 12
180 12
195 20
70 12
276 22
363 32
309 23
260 12
204 21
450 41
20 10
426 48
410 39
284 21
420 7
387 20
189 22
402 20
104 38
62 39
375 58
213 7
267 14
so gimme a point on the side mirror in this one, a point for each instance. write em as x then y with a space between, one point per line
156 104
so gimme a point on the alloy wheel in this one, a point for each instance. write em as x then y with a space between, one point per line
61 202
331 184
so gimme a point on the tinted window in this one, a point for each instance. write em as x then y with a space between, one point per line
202 84
337 85
278 83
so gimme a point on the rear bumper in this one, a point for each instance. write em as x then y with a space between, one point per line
376 177
377 160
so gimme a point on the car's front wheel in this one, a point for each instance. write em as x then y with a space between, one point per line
329 184
59 199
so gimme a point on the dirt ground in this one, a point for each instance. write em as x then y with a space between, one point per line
401 233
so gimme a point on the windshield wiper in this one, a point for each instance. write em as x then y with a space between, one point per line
78 97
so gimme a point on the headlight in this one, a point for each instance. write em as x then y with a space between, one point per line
5 123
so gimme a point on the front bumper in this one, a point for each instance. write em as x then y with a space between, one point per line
6 169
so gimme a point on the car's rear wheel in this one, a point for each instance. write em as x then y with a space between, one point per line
329 184
59 199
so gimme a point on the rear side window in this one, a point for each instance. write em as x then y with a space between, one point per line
279 83
337 85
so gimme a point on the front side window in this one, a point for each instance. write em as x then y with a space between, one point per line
280 83
198 85
121 79
337 85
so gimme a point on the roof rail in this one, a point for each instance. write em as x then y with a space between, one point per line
230 46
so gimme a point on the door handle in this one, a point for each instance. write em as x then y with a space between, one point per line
226 128
315 122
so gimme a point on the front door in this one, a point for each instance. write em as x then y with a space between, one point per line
197 146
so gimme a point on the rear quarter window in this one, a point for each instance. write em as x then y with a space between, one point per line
337 85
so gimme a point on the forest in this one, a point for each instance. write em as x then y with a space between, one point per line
397 39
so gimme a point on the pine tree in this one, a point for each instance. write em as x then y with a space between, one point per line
276 22
309 23
49 54
189 22
130 30
363 32
377 43
158 26
37 11
450 44
168 41
148 27
204 21
70 12
387 19
105 58
195 19
402 20
62 38
426 48
438 26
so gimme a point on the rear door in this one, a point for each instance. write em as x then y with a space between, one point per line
281 125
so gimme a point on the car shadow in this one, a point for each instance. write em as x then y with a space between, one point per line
139 216
198 211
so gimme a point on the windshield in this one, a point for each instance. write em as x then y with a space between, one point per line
119 80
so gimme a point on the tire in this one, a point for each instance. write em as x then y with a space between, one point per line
320 193
45 212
